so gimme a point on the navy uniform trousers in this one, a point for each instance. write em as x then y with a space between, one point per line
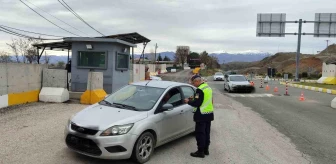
202 131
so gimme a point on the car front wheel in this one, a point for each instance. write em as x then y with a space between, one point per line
144 148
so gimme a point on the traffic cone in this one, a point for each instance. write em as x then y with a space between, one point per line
267 87
276 90
302 97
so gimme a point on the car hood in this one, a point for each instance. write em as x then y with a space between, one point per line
101 117
240 82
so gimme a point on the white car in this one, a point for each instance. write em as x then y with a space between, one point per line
218 76
132 122
234 83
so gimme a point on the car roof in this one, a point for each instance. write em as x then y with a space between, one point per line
236 75
159 84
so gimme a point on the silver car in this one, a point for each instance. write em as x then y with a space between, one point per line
132 121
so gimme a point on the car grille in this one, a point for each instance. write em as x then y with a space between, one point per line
83 130
83 145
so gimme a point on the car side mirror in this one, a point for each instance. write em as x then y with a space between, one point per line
166 107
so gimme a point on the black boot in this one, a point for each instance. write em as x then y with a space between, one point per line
198 154
206 151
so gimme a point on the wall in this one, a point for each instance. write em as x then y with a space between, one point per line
20 83
324 70
112 78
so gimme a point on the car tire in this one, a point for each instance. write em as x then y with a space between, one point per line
145 141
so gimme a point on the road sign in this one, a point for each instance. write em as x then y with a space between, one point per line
271 25
325 25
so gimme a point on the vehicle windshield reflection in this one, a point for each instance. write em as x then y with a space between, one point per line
140 98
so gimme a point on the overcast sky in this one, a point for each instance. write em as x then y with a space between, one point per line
211 25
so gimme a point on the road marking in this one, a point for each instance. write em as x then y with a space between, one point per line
249 95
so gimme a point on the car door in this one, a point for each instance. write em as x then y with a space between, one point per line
188 110
171 120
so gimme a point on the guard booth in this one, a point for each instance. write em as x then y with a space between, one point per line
111 55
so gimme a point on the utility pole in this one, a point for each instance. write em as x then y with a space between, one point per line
155 51
155 56
327 47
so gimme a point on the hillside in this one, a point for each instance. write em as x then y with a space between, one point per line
283 62
330 51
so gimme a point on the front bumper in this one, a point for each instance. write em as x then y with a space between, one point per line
219 78
108 147
243 88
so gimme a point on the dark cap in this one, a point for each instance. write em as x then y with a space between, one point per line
194 77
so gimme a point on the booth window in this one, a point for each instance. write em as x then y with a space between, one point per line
92 59
122 62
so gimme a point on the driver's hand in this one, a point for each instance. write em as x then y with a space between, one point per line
186 100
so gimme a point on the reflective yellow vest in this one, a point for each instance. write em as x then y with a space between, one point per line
206 107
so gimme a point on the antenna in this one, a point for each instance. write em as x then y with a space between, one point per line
147 82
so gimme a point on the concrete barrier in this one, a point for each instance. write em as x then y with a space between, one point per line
54 86
138 72
24 82
3 86
333 103
94 92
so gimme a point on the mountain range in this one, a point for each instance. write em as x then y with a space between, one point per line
224 57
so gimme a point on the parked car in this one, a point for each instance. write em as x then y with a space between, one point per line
133 121
234 83
218 76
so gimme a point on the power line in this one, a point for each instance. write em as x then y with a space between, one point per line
3 29
73 12
56 17
30 31
48 19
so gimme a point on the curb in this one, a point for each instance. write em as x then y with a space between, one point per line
322 90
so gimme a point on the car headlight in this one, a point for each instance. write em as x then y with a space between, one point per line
117 130
233 85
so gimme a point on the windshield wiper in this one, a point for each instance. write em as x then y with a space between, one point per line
106 102
125 106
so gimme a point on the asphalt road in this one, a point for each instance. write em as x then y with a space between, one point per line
33 133
310 124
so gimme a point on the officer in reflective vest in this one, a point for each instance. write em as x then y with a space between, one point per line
203 115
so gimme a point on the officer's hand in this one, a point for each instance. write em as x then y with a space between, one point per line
186 101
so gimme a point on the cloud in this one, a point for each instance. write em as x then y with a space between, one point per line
213 25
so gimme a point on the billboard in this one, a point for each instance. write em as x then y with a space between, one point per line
325 25
271 25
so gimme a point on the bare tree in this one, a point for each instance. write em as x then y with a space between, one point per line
23 47
5 57
46 58
14 47
181 54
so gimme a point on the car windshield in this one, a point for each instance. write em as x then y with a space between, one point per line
141 98
237 78
218 73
